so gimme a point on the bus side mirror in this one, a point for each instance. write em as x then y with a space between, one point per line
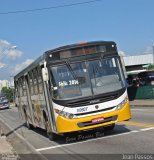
45 74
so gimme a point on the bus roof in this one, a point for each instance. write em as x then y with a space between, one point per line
41 59
76 45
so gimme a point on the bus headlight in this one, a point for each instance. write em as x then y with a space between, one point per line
65 114
120 105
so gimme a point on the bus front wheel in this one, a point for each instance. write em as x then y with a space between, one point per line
49 132
28 125
51 136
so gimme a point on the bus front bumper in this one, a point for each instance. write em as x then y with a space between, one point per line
65 125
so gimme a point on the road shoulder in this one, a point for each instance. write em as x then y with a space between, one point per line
18 145
142 103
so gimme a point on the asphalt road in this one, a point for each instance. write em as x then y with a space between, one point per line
133 138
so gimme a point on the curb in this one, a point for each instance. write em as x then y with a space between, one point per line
142 103
23 140
1 132
7 149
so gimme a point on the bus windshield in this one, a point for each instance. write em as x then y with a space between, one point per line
88 78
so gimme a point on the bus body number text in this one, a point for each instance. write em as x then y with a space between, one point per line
83 109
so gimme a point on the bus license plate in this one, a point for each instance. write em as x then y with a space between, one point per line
97 120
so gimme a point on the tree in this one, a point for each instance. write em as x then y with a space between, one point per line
9 92
151 66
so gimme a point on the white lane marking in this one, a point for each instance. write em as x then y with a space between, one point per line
147 129
90 140
94 139
135 131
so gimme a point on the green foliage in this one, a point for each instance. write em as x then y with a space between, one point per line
8 92
151 66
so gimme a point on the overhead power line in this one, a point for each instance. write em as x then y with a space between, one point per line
48 8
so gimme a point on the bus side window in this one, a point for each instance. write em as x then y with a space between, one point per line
30 83
24 87
39 78
35 81
20 87
17 88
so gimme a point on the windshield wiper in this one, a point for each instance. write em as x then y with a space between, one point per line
97 70
71 70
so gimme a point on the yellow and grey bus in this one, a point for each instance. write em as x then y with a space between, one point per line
74 88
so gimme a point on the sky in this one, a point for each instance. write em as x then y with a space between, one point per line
130 23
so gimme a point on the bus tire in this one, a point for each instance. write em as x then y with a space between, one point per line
49 132
51 136
109 128
28 125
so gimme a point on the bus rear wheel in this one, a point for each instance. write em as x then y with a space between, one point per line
109 128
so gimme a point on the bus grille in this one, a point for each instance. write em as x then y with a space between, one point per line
94 101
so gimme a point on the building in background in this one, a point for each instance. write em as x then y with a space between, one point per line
137 63
4 83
